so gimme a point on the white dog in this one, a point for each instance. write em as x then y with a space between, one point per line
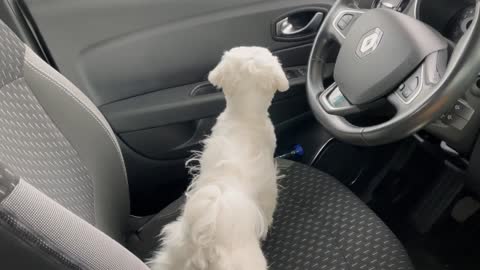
231 200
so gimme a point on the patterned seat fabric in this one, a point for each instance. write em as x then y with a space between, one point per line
31 144
51 135
63 187
320 224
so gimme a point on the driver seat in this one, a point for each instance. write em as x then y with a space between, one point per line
64 200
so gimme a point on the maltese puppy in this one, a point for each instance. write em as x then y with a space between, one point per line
231 200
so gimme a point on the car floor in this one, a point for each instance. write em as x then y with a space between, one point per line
396 181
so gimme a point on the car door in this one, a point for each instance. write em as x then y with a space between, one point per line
144 63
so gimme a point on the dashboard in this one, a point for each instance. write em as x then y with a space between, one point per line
450 17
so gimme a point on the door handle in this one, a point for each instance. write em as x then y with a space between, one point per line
286 28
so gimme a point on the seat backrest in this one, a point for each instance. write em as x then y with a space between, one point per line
56 140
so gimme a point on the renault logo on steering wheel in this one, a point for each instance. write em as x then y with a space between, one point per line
369 42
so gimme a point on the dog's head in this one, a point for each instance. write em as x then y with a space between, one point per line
249 68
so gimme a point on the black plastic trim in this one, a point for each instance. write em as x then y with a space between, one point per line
43 50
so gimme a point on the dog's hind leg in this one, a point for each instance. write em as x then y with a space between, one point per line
224 226
171 255
268 202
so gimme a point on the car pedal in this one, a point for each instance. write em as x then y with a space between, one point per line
438 199
464 209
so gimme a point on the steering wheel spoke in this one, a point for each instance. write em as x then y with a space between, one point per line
412 9
342 17
342 23
419 86
334 102
407 92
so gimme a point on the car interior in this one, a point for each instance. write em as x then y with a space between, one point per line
103 101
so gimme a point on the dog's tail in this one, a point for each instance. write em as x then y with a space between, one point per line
219 218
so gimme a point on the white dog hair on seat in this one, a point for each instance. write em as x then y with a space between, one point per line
231 200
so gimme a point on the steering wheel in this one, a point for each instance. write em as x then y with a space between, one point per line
387 56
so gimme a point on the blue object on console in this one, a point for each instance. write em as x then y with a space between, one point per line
296 152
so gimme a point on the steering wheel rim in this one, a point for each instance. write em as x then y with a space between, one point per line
433 100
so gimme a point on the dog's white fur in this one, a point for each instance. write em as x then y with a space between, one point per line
231 200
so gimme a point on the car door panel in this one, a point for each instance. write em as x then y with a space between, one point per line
115 49
179 128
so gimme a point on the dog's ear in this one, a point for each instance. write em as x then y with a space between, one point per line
217 75
281 81
224 74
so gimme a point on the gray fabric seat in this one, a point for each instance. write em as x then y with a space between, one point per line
320 224
64 201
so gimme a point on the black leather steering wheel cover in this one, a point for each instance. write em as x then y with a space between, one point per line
461 72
